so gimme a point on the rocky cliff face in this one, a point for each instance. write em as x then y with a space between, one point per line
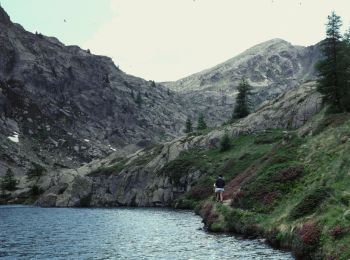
142 179
271 68
66 106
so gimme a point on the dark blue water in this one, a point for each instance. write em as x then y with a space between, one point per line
54 233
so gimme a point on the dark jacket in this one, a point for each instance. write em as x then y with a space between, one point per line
220 183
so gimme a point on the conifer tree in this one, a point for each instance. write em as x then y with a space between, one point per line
138 99
8 181
242 106
332 82
225 143
189 127
201 125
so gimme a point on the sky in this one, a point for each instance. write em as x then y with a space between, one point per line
165 40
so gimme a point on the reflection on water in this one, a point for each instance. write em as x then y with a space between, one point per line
122 233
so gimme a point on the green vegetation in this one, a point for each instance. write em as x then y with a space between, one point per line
201 125
225 143
108 170
293 190
309 203
35 172
334 69
138 100
242 106
241 154
8 181
189 127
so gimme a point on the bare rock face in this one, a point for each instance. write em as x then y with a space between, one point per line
61 106
141 181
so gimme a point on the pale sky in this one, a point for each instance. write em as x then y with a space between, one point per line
165 40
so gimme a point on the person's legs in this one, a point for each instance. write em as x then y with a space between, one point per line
221 196
217 196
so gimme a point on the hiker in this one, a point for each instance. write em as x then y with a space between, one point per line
219 188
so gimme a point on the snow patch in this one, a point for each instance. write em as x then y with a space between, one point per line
14 138
112 148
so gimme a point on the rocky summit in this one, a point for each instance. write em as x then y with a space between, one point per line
270 67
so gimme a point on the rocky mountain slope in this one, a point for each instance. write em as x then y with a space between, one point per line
64 106
148 178
271 68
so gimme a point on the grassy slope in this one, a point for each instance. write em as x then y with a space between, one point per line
292 190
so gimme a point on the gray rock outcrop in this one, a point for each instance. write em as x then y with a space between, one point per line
140 179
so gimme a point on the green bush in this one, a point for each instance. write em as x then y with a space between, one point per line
309 203
225 143
35 190
108 170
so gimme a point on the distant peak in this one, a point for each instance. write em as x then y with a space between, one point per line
274 41
4 18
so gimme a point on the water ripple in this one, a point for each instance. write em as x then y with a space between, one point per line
124 233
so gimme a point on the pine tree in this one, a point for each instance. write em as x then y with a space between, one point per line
138 99
201 125
242 106
331 78
345 73
225 143
8 181
189 128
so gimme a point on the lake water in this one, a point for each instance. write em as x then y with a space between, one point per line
122 233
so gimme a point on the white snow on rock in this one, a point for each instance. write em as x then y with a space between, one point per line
112 148
14 138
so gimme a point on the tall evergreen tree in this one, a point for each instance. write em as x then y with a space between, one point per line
189 127
225 143
345 73
138 99
331 82
8 181
201 125
242 106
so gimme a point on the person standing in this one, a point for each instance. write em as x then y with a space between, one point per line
219 188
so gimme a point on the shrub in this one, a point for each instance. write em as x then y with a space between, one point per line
200 192
107 171
289 174
225 143
309 203
339 231
310 233
35 190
